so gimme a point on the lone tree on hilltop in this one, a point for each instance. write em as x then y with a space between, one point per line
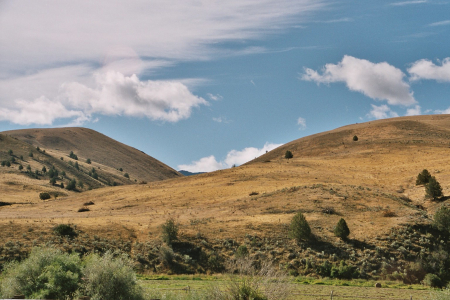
341 230
288 154
442 219
299 228
423 177
355 138
433 189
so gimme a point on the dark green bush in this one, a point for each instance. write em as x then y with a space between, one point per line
73 155
169 231
44 196
71 185
65 230
432 280
288 155
241 251
355 138
126 175
442 219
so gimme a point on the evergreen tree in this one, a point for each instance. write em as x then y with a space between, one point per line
88 161
433 189
169 231
355 138
299 228
288 155
44 169
71 185
20 167
341 230
423 177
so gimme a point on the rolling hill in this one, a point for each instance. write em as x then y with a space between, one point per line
110 162
369 182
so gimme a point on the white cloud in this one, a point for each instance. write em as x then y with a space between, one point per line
83 30
301 122
446 111
376 80
205 164
214 97
416 111
234 157
408 2
381 112
441 23
109 93
426 69
221 120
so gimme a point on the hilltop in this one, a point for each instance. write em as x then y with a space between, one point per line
97 161
369 182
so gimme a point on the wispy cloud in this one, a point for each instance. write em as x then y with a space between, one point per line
403 3
441 23
216 97
380 81
301 122
234 157
221 120
341 20
426 69
446 111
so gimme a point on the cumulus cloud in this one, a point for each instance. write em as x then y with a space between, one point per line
426 69
381 112
379 81
301 122
446 111
416 111
112 93
234 157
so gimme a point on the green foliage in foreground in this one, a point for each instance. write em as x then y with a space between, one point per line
50 274
45 274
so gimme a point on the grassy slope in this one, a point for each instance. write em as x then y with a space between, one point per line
359 180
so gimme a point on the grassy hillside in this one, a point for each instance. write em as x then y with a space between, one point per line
369 182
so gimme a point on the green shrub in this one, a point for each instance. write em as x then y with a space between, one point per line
65 230
341 230
442 219
299 228
241 251
169 231
355 138
88 161
433 189
432 280
288 155
343 271
46 274
126 175
71 185
73 155
110 277
423 177
44 196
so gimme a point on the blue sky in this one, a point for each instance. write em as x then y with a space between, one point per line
204 84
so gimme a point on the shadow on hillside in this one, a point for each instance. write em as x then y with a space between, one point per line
340 249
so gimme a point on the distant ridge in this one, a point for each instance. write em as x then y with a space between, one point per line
187 173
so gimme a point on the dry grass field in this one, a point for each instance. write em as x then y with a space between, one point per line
369 182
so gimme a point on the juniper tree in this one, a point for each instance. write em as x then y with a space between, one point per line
299 228
433 189
423 177
341 230
442 219
288 155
